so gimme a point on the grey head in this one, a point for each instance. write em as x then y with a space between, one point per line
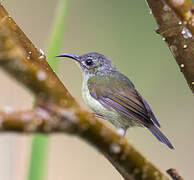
91 63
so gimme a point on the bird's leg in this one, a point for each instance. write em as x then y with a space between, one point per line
121 131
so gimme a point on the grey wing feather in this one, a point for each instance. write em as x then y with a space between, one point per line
121 105
151 114
123 98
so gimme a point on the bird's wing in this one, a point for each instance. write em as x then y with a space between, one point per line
122 97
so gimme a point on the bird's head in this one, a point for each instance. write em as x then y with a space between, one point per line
91 63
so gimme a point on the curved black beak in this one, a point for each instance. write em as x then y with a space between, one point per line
72 56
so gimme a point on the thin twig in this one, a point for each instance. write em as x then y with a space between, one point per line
174 175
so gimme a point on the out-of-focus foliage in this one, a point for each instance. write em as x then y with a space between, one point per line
39 147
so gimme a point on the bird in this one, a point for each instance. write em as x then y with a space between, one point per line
113 97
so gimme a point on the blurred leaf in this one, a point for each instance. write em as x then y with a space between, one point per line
40 143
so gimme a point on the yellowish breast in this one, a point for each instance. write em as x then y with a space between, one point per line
90 101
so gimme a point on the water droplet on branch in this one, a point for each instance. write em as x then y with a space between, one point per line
41 75
186 33
115 148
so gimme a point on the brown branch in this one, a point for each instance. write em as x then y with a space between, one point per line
31 64
174 175
184 10
37 120
176 24
53 119
56 110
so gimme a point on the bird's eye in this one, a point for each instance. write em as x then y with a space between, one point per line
89 62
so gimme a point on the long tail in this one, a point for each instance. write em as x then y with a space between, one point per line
160 136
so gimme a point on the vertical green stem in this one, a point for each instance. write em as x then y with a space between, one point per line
39 144
57 33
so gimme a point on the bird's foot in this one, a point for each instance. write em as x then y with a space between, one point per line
121 132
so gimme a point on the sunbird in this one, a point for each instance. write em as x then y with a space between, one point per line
113 97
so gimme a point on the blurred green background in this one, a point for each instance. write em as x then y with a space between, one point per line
124 32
